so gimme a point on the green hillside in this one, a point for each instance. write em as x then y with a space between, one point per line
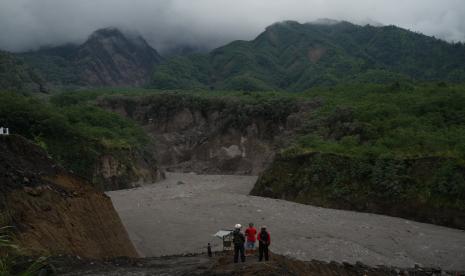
293 56
76 136
15 75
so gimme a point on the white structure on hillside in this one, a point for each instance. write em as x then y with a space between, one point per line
4 131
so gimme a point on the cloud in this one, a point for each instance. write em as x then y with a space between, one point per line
28 24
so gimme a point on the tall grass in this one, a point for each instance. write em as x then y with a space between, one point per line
9 253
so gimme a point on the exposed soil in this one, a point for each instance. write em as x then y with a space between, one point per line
54 211
212 137
222 264
181 214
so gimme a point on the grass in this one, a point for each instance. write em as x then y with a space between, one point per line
9 254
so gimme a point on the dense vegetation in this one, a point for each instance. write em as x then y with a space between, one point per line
425 189
395 150
75 136
55 64
374 120
387 121
15 75
293 56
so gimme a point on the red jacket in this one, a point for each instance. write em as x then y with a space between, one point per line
268 237
250 233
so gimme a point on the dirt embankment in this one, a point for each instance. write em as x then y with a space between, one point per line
395 187
222 265
212 135
53 211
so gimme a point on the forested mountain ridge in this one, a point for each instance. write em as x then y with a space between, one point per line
293 56
286 56
15 75
107 58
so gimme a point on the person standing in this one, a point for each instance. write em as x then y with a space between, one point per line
238 241
250 233
264 240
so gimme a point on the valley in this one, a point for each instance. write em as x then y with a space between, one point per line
346 140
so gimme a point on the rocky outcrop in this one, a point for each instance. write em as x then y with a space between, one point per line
54 211
211 135
126 169
109 58
429 190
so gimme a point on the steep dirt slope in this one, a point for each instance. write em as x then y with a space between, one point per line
53 211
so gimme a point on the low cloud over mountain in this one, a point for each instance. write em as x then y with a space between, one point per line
28 24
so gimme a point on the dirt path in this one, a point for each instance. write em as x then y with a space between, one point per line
180 215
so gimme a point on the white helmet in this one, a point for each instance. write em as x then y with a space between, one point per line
238 226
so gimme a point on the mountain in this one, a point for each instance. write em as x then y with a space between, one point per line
15 75
293 56
107 58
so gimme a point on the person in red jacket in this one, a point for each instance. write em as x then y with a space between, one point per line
250 234
264 240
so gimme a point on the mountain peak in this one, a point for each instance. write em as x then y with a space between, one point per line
106 32
115 35
325 21
111 57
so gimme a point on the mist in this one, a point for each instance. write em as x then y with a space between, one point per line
29 24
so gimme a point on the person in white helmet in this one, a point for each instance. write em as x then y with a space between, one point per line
238 241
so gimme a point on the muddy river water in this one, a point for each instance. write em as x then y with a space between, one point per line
181 214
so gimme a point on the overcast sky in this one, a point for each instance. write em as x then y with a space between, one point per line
27 24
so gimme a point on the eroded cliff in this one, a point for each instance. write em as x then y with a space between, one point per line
212 134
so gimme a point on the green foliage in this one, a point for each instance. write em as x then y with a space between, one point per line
295 57
182 73
9 261
75 135
246 83
54 64
394 149
378 120
425 189
15 75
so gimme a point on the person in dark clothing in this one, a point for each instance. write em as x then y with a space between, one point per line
238 241
264 240
209 250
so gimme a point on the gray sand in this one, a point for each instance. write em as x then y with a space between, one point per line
181 214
